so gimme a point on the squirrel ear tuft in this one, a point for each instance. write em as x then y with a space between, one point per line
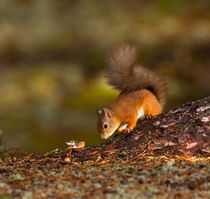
107 112
99 112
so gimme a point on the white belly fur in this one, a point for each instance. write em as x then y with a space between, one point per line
141 114
123 126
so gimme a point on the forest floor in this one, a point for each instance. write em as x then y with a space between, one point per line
147 175
164 157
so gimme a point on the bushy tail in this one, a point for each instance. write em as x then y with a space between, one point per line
125 75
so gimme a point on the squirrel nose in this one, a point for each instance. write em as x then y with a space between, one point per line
103 136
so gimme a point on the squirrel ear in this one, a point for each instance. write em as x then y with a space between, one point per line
99 112
107 112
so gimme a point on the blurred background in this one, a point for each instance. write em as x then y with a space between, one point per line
52 60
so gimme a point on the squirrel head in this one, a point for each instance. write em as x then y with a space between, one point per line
107 123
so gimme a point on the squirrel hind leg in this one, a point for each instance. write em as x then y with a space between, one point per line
149 116
152 107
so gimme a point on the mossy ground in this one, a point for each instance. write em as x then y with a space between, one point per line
148 176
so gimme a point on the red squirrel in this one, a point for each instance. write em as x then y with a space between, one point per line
143 93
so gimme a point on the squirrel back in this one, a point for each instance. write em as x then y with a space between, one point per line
125 75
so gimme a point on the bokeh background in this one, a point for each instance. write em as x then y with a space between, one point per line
52 60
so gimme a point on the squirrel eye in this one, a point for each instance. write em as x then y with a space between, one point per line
106 126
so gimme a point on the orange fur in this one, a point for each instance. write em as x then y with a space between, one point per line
143 92
127 106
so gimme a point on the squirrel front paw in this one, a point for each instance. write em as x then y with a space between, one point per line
127 130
